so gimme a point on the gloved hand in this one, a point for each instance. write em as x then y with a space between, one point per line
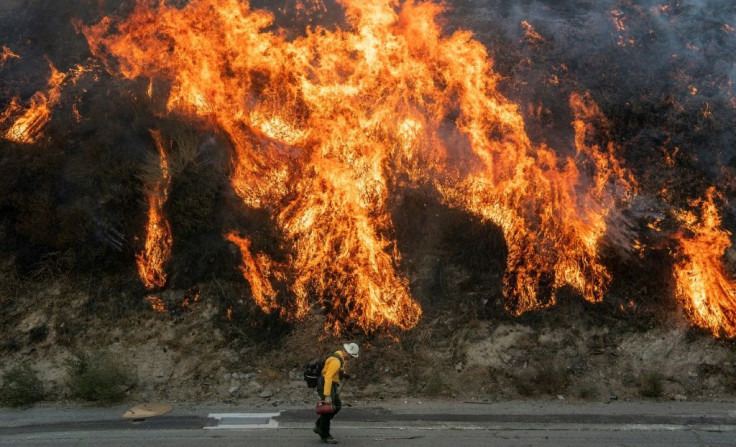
328 399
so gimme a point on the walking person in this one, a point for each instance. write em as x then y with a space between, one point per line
327 387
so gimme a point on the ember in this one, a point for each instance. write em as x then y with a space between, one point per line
532 36
6 55
157 303
193 295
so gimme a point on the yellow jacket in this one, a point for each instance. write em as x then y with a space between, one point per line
331 371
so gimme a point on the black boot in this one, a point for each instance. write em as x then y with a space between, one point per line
318 429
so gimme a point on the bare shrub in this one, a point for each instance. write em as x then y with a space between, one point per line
588 391
523 382
435 385
552 380
98 377
21 387
545 380
730 373
10 282
272 375
650 384
188 150
192 205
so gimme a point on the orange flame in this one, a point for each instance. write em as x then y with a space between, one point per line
27 128
6 55
325 125
551 232
157 249
256 271
703 286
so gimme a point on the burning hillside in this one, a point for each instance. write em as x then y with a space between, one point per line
328 115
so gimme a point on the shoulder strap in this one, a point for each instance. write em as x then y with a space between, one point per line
339 359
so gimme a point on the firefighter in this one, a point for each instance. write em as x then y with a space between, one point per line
327 387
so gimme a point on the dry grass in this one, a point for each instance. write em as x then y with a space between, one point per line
188 150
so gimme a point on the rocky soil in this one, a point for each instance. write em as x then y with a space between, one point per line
574 351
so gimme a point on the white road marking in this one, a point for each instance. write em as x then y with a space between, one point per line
553 427
241 421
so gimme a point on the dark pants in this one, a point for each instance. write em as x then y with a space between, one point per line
323 423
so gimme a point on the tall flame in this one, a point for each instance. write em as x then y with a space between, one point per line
256 271
325 126
157 249
704 288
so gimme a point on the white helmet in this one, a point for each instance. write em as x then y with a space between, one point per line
352 349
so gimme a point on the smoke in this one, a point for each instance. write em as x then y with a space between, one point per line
663 73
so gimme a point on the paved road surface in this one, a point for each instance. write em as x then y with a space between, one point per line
389 424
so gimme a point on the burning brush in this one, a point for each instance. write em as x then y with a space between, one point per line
328 126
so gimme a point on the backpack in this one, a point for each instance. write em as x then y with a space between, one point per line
313 370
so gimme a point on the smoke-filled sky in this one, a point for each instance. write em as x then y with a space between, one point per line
626 52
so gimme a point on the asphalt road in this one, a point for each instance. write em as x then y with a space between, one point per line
388 424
